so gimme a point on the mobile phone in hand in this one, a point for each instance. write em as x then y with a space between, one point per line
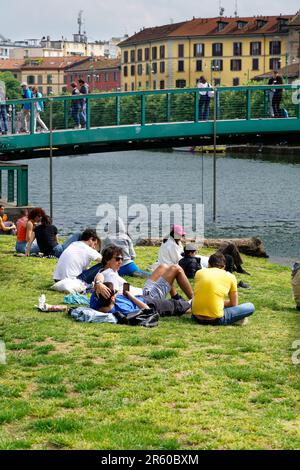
126 288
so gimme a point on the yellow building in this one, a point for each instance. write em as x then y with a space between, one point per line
227 51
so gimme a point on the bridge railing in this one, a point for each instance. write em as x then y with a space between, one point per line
159 106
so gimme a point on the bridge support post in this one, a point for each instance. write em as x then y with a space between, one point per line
22 187
13 119
143 110
196 110
118 110
168 107
66 114
248 115
88 113
10 186
32 118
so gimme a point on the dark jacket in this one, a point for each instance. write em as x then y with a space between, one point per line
190 265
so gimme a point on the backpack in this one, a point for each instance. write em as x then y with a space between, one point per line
147 317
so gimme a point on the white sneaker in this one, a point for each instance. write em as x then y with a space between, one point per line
42 303
242 322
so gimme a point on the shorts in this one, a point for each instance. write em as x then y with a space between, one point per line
156 289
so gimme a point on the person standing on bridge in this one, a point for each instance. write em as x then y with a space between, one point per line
3 110
75 106
83 90
27 94
204 98
38 108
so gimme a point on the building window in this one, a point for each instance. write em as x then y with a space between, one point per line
217 65
217 81
140 55
180 83
106 77
162 85
132 70
30 79
255 48
125 57
140 85
40 89
125 71
115 76
147 53
255 64
217 49
180 50
154 53
154 67
162 52
275 64
132 56
49 90
236 81
147 69
235 64
40 79
181 66
139 69
275 47
49 79
162 67
199 50
154 85
199 65
237 48
125 87
88 78
147 84
132 86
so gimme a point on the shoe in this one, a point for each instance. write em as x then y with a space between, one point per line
242 322
177 297
243 285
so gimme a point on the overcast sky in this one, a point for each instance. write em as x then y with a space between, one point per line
103 18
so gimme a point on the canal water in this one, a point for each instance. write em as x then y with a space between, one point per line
255 196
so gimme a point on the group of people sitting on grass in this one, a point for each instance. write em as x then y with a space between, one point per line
214 300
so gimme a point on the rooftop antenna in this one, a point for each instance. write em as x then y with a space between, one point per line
221 9
236 9
80 21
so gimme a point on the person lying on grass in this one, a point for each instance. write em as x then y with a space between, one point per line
212 286
107 298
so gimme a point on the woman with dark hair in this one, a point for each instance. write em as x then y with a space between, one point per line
171 249
25 227
46 237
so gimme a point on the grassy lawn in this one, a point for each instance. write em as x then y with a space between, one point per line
68 385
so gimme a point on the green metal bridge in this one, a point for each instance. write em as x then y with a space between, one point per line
148 119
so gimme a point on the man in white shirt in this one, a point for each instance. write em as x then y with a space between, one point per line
204 98
74 261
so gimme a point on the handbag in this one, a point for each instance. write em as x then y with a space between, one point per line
147 317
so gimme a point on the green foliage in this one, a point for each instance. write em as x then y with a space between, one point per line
13 90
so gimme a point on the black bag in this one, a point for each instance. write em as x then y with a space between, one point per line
147 317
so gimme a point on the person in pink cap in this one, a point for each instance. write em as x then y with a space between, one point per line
171 248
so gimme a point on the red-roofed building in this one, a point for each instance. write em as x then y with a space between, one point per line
226 50
100 73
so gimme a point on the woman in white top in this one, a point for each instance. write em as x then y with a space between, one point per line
171 249
204 99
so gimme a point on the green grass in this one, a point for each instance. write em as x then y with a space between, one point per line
68 385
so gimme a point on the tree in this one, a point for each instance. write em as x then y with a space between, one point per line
13 90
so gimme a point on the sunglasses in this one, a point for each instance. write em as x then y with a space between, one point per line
119 258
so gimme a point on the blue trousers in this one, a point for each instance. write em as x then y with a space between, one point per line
204 107
58 249
231 315
3 116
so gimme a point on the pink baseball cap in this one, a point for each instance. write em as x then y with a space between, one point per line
179 230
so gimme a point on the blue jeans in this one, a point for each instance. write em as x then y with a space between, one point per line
83 112
89 275
76 116
58 249
21 247
231 315
3 116
204 103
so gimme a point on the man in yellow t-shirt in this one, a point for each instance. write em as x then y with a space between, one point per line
212 287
